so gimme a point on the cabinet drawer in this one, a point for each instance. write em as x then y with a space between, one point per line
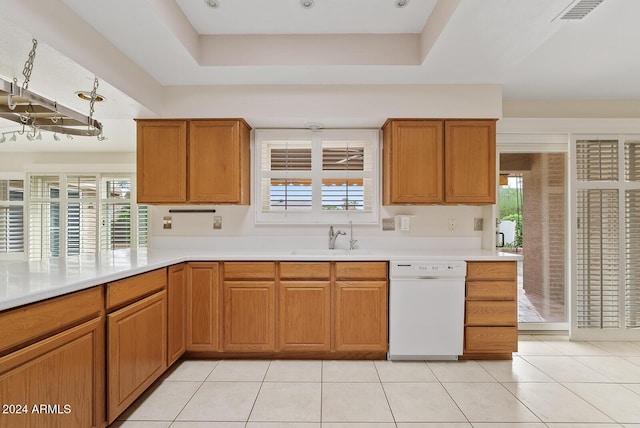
38 320
130 289
491 290
249 270
491 313
491 339
305 270
361 270
492 270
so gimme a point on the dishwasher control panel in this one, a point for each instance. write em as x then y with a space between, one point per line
422 269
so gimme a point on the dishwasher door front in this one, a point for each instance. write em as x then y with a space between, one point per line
426 318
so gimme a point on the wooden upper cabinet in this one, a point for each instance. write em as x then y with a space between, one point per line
434 161
470 161
162 161
193 161
219 163
413 161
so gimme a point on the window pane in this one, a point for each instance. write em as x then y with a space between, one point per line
116 226
342 158
286 156
632 161
598 264
287 194
81 228
11 229
81 186
344 194
45 186
116 188
44 230
11 190
597 160
143 225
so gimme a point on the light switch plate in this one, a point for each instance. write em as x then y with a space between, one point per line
217 222
477 223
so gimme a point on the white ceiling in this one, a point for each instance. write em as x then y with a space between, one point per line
138 47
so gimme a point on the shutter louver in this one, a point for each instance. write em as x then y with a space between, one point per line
597 266
632 257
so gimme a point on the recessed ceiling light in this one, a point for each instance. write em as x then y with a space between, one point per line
214 4
86 95
402 3
307 4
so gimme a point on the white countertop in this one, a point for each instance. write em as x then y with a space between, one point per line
28 282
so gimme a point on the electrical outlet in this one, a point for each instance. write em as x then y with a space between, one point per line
389 223
452 224
477 223
217 222
166 222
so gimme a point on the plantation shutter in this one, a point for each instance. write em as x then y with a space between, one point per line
607 234
11 216
632 233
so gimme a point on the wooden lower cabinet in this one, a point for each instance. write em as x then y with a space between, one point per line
176 312
57 382
203 306
361 316
136 350
304 316
249 316
491 310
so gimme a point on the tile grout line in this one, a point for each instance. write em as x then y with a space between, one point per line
258 394
386 397
175 419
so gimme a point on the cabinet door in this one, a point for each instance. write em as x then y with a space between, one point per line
412 162
361 316
470 161
64 373
305 316
176 312
203 306
137 350
249 316
162 161
218 162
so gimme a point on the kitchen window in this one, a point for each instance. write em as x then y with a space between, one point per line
73 214
326 176
11 218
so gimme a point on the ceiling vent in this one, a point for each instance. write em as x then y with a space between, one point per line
579 9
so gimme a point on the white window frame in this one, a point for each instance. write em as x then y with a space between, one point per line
316 215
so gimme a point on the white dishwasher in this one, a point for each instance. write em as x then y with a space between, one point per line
426 310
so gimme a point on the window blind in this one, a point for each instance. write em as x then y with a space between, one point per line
11 216
598 259
632 258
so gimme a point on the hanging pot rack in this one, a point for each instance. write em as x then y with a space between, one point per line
37 113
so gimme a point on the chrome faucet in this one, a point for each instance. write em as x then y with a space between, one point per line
332 237
352 242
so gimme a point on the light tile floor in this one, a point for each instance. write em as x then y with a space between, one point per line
551 382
